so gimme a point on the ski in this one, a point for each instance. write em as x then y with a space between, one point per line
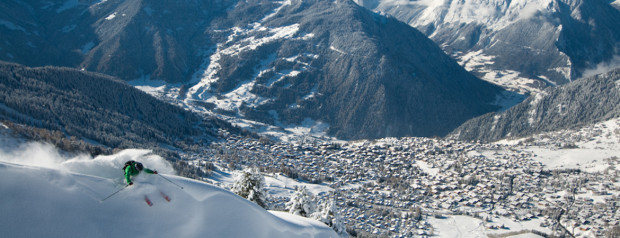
165 196
148 201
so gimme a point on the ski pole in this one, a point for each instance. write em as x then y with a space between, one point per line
170 181
114 193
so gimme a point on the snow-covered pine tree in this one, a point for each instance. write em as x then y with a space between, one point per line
250 184
327 213
302 203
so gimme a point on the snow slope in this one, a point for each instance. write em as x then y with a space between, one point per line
470 227
496 14
47 195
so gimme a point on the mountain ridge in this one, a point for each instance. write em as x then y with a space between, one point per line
353 76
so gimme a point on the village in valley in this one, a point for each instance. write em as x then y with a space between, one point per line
561 184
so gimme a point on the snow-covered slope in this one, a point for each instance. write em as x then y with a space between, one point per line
616 4
520 44
45 195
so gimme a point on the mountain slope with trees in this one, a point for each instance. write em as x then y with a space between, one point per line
95 108
574 105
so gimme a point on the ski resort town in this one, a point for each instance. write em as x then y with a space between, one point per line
410 186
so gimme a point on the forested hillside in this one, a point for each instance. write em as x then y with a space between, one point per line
95 108
580 103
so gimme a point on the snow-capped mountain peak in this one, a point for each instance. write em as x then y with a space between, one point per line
523 45
494 13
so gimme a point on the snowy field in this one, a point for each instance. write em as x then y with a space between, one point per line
469 227
598 142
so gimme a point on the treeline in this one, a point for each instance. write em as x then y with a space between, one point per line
96 108
191 171
57 138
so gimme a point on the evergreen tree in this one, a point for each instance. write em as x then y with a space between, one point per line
251 185
302 203
326 213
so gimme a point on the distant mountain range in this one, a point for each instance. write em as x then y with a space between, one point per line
279 62
577 104
519 44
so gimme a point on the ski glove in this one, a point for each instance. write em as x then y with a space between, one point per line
154 172
130 183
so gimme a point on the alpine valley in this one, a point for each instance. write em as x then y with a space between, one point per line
333 65
371 118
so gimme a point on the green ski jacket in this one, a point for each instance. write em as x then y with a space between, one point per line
131 171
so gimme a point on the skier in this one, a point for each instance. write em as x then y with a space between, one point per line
133 168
